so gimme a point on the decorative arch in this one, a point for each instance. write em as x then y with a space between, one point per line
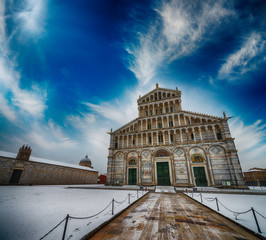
162 153
178 152
191 151
216 149
132 154
132 162
197 158
119 155
146 153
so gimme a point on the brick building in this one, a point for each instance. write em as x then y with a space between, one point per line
255 177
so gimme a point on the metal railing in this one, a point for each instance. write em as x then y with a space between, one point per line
112 203
235 213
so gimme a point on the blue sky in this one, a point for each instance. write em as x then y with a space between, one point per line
71 70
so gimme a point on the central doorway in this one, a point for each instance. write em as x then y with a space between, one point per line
163 176
200 176
132 176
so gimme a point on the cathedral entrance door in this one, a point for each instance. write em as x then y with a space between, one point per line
200 176
132 176
15 176
163 177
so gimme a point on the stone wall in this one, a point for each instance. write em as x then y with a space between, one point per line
35 173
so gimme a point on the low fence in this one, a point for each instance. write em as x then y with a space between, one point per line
138 194
236 214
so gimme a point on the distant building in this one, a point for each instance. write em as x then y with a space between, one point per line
256 177
26 170
86 162
167 145
102 179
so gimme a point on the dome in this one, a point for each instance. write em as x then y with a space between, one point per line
85 162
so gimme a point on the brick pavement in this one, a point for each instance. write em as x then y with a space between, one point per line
171 216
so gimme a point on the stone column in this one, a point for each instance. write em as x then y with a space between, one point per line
181 136
179 122
173 168
169 136
173 117
200 134
139 169
141 125
215 136
186 131
210 169
125 169
127 140
190 181
194 135
185 121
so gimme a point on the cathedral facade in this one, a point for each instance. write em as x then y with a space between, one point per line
166 145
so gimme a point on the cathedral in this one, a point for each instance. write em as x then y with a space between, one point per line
167 145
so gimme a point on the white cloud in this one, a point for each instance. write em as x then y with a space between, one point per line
81 121
246 59
178 30
2 21
31 100
6 110
32 17
250 142
49 137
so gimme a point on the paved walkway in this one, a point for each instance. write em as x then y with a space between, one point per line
170 216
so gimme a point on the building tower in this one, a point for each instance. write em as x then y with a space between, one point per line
24 153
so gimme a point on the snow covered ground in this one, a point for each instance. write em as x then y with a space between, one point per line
238 203
29 212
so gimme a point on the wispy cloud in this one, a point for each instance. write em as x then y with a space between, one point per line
250 142
33 99
247 58
177 31
32 16
6 110
49 137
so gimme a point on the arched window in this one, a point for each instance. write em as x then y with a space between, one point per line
162 153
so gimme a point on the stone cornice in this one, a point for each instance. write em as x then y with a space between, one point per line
186 143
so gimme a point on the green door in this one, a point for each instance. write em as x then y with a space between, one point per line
132 176
200 176
163 176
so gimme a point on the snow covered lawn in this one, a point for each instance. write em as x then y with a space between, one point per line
29 212
238 203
